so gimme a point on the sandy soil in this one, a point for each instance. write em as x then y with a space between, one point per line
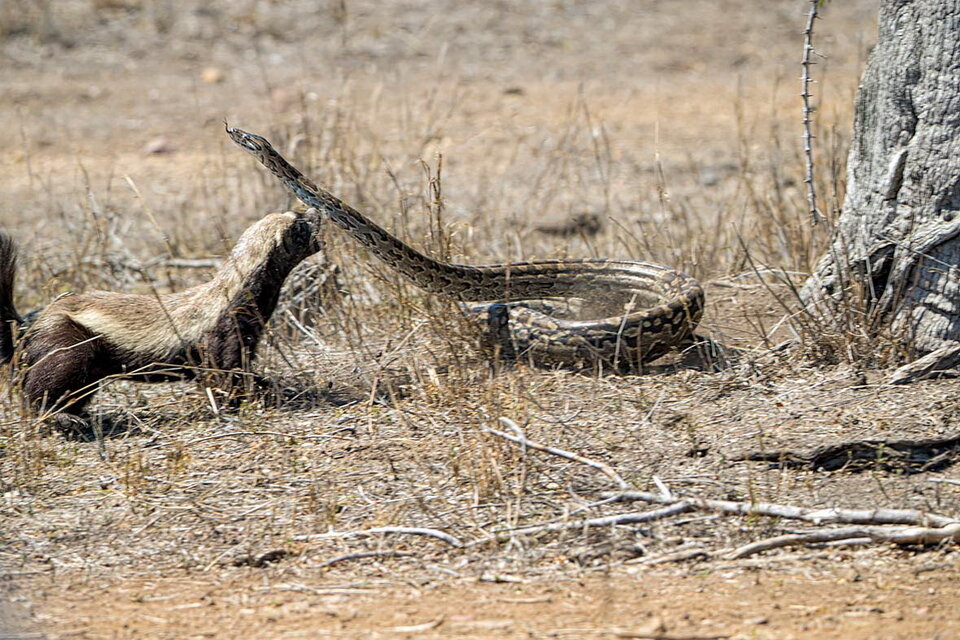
830 598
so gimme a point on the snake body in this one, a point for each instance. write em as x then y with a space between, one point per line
514 330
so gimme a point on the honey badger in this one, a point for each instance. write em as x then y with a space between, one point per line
213 328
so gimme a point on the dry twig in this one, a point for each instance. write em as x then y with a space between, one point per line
522 440
895 535
419 628
276 434
413 531
635 517
790 512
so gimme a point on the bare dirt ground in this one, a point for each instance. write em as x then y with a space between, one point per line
823 601
675 124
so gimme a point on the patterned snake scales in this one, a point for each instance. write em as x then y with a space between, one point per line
622 341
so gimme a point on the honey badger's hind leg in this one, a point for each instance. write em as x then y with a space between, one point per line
61 371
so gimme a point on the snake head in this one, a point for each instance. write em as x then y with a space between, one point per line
249 141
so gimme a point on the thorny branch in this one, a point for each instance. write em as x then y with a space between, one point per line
805 79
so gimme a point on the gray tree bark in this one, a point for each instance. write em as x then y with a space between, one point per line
898 237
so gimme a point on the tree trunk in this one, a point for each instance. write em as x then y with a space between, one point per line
898 238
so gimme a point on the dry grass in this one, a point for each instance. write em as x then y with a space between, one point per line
680 132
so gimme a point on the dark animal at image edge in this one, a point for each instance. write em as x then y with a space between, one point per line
212 329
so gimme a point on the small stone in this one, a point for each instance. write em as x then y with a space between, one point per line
158 145
211 75
283 98
654 627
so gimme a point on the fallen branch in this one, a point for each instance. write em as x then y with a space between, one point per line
895 535
413 531
522 440
816 516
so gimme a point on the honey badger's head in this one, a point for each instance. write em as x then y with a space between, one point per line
295 234
303 236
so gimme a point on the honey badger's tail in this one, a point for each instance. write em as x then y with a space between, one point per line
8 311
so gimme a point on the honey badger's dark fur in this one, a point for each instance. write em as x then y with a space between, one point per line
80 339
8 312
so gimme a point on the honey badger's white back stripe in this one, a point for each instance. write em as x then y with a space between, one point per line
162 326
